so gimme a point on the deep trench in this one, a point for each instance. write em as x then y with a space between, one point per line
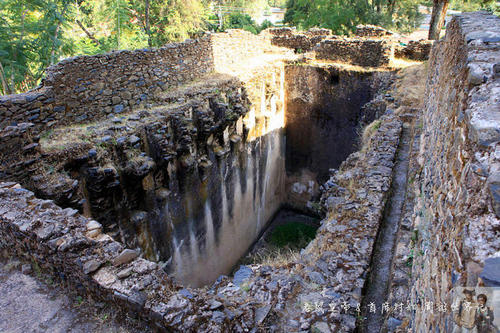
199 220
323 116
377 284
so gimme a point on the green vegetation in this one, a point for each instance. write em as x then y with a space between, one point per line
292 234
343 16
239 21
469 5
37 33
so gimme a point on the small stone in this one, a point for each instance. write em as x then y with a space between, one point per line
126 256
91 266
121 140
124 273
393 323
118 108
261 314
242 274
106 138
491 272
26 269
116 99
494 187
218 317
30 147
59 108
316 277
496 70
476 74
92 225
92 153
186 293
320 327
93 233
134 139
214 305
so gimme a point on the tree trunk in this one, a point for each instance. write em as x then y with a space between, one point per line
146 18
392 6
118 24
437 19
5 86
92 38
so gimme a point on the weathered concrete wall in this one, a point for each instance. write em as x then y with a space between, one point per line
456 216
324 118
362 52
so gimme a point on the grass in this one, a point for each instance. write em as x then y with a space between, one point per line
292 234
273 256
369 130
410 87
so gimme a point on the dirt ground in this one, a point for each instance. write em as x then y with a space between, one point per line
33 302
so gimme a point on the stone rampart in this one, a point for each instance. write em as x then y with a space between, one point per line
299 41
456 214
414 50
86 89
372 31
362 52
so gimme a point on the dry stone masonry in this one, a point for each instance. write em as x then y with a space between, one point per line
362 52
142 177
456 214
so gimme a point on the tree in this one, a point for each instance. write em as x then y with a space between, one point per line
439 9
343 17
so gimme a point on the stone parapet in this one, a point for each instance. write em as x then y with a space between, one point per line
86 89
299 41
372 31
414 50
456 214
362 52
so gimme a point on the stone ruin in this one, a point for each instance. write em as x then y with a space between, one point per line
141 177
371 46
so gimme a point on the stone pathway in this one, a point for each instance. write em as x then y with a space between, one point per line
380 275
29 305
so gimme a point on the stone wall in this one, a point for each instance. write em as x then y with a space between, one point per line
414 50
88 88
330 273
370 31
298 41
456 214
235 47
362 52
